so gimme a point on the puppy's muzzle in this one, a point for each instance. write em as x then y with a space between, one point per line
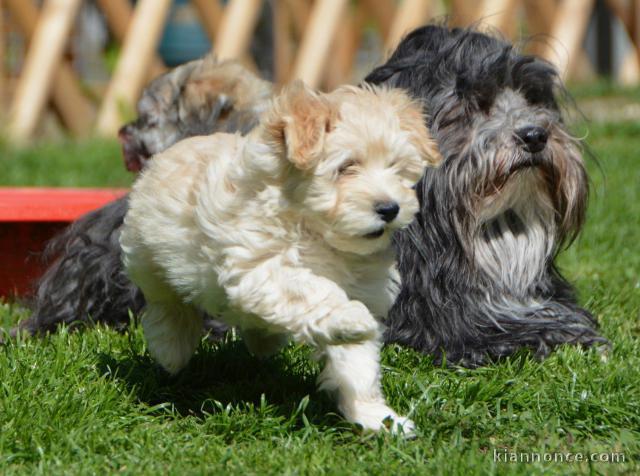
533 138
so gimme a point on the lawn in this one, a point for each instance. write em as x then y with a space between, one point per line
93 402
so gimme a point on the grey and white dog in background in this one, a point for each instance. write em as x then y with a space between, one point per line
479 279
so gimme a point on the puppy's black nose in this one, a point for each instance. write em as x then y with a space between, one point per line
387 210
534 138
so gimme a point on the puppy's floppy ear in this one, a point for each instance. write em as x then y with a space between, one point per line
299 121
413 121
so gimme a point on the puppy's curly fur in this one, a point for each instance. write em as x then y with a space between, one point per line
284 233
84 282
479 279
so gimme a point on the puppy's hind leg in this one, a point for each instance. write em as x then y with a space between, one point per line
352 371
173 331
172 328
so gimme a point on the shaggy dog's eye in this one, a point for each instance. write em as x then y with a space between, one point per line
151 122
347 167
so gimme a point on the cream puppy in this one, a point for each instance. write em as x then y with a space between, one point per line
285 234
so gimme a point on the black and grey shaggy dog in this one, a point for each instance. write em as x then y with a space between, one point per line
85 281
477 265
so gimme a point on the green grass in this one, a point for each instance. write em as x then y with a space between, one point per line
94 403
604 88
67 164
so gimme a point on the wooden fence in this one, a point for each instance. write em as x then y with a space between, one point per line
316 41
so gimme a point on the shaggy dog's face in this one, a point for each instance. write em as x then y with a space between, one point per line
516 155
197 98
516 173
358 154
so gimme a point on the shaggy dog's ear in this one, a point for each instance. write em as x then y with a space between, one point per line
298 122
204 100
159 97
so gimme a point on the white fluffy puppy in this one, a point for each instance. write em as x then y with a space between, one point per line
285 234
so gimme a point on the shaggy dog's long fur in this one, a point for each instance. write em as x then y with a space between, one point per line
479 279
84 282
284 233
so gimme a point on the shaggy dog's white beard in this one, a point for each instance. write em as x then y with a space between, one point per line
516 237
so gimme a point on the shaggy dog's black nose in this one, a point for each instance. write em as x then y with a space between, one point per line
387 210
533 138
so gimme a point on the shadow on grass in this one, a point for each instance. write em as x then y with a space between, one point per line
226 374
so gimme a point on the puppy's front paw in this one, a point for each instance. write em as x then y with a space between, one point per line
378 416
349 324
402 425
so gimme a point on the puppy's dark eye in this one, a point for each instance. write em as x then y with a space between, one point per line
347 167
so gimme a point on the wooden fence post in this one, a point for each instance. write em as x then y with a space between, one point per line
633 30
382 12
43 59
539 15
568 30
629 14
135 59
3 76
238 23
211 14
300 11
118 14
282 44
409 15
345 47
499 14
73 107
314 49
464 12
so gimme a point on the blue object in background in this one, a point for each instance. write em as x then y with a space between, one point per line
184 38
